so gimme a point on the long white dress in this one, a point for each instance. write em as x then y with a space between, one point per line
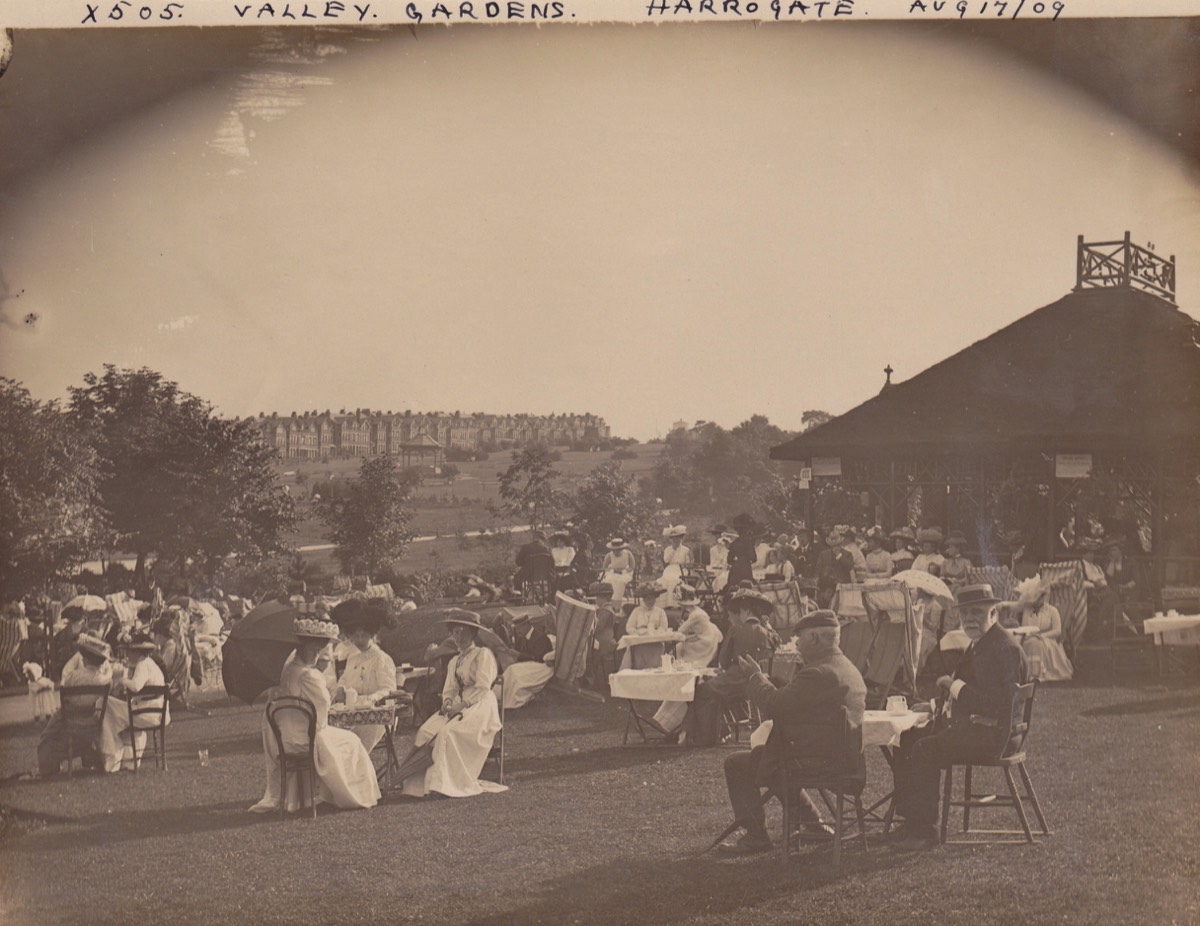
461 745
345 776
369 672
703 639
618 571
116 717
1046 646
674 557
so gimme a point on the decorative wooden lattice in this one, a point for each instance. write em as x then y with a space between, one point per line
1110 264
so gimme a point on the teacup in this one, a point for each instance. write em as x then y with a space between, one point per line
897 704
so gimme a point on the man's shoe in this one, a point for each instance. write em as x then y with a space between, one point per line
747 844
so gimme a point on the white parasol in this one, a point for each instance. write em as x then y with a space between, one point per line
921 581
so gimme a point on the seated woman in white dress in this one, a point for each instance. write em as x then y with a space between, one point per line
141 671
618 567
370 673
451 747
345 776
674 556
647 618
561 549
1041 633
703 636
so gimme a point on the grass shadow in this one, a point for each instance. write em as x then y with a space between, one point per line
101 830
1146 706
680 888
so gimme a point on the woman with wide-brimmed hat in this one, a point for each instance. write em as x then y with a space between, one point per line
619 566
451 747
370 673
1040 632
645 619
345 775
903 540
140 670
929 559
955 564
742 553
878 560
675 556
703 638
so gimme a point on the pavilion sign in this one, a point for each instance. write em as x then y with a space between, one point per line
1072 465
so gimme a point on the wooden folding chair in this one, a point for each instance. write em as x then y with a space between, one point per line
973 800
496 753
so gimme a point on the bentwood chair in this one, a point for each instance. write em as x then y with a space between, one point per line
299 761
83 708
973 800
150 702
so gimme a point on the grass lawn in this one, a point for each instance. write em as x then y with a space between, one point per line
590 832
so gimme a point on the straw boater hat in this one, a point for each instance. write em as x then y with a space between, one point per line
649 590
90 643
311 629
560 533
836 537
976 594
929 535
679 530
461 618
617 544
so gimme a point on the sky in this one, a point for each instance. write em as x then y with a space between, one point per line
649 224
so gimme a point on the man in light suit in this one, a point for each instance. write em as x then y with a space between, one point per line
982 708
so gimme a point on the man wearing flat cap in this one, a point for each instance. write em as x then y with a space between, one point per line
982 709
806 712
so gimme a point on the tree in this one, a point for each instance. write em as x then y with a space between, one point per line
527 487
369 523
814 418
607 505
50 513
180 483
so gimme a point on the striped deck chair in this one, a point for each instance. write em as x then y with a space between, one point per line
1000 578
574 627
858 630
380 591
786 596
1068 595
896 643
10 645
341 584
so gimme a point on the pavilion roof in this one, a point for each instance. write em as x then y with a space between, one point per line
1097 368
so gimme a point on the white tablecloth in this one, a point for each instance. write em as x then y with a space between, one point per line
1177 630
677 684
879 728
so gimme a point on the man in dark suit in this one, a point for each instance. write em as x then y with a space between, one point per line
980 701
808 712
529 556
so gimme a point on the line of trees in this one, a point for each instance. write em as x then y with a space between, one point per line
134 464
